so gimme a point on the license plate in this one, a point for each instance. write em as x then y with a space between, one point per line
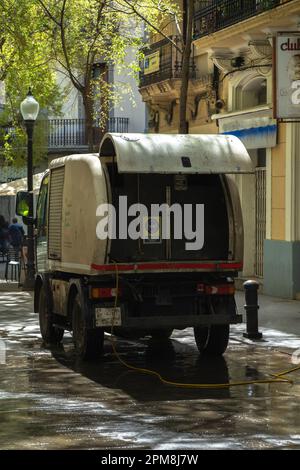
107 316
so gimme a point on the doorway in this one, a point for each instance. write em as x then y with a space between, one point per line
260 211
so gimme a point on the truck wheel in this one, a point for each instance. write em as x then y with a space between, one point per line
88 342
218 340
212 340
161 334
50 333
201 334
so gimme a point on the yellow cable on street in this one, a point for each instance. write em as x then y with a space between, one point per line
278 377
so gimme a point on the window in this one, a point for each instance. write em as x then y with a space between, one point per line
250 93
42 206
261 158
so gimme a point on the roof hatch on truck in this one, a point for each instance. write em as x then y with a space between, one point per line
176 153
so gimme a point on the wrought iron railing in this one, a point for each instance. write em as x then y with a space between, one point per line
64 133
67 133
214 15
168 63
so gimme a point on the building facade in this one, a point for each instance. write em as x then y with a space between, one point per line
231 91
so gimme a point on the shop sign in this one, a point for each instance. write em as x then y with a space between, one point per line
286 76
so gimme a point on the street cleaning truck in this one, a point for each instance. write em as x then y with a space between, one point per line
142 238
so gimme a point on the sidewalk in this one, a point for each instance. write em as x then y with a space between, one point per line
275 313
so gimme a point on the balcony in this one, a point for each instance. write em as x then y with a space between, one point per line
215 15
160 79
70 134
163 62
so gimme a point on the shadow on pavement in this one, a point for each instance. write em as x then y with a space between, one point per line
166 358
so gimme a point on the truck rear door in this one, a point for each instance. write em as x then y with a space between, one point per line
181 190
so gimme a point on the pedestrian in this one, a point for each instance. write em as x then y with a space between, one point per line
16 234
4 236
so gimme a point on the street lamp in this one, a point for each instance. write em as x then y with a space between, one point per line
29 110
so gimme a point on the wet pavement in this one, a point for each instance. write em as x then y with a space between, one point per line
49 399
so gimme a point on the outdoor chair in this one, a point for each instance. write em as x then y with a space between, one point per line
12 268
3 256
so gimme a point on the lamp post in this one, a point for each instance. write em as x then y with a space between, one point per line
29 110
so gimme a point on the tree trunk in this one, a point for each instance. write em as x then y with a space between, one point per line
185 70
89 118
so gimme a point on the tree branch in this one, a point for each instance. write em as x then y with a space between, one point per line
159 31
99 16
68 67
48 12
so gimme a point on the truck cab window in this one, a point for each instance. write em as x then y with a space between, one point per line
42 208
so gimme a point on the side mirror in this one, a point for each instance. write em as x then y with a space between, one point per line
23 203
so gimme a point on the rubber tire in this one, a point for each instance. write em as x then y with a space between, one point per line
161 334
88 342
201 334
212 340
50 333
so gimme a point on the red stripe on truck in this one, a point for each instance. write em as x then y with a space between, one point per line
165 266
237 266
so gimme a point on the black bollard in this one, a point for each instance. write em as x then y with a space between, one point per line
251 307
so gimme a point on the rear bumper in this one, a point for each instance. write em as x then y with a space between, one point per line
121 317
181 322
170 300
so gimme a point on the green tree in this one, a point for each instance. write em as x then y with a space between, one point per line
40 37
83 33
24 62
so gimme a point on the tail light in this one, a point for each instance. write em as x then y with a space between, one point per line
218 289
104 292
201 288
